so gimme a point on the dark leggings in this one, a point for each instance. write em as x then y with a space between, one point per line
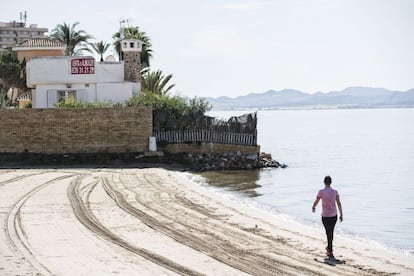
329 224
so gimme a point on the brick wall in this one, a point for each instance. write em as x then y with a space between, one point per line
84 130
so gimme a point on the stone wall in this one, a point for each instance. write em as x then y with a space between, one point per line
64 131
208 148
132 64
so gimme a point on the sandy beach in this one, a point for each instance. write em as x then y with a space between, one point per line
157 222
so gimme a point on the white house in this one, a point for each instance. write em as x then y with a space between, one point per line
57 78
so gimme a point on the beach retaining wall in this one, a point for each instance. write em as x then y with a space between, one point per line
208 148
83 130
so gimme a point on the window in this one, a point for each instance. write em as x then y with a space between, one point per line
61 96
55 96
66 95
71 95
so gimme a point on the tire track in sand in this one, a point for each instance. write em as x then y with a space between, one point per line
86 217
163 217
17 178
14 230
292 256
227 253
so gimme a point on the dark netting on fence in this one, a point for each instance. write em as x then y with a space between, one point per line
163 121
246 123
239 130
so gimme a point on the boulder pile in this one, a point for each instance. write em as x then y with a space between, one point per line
231 161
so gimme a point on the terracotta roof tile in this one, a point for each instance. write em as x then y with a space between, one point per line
41 42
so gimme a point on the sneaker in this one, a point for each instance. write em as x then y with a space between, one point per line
329 253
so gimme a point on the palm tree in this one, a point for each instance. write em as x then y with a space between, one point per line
100 48
134 32
155 82
75 41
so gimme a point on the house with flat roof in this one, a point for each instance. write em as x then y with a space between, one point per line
58 78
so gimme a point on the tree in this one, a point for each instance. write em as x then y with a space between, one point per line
12 71
75 41
134 32
100 48
172 112
155 81
4 101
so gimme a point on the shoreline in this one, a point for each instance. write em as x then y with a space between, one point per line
155 221
251 203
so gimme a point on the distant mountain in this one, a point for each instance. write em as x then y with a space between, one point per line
351 97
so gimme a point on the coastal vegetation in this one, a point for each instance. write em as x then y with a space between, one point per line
4 100
12 71
12 75
72 103
155 81
76 41
176 112
100 48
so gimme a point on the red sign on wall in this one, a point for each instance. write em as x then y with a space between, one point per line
82 66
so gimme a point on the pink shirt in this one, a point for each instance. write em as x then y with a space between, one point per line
328 196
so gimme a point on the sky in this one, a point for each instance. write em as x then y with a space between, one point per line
235 47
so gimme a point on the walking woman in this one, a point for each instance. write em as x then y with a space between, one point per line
329 197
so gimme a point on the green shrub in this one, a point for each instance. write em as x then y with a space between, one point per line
27 105
177 108
71 103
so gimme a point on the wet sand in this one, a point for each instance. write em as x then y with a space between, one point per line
156 222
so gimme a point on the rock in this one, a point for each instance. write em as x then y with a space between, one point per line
251 157
232 160
265 155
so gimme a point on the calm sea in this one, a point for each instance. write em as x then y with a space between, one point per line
368 152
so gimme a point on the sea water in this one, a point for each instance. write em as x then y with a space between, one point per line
369 153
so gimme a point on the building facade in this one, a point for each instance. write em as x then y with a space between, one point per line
14 33
38 47
60 78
